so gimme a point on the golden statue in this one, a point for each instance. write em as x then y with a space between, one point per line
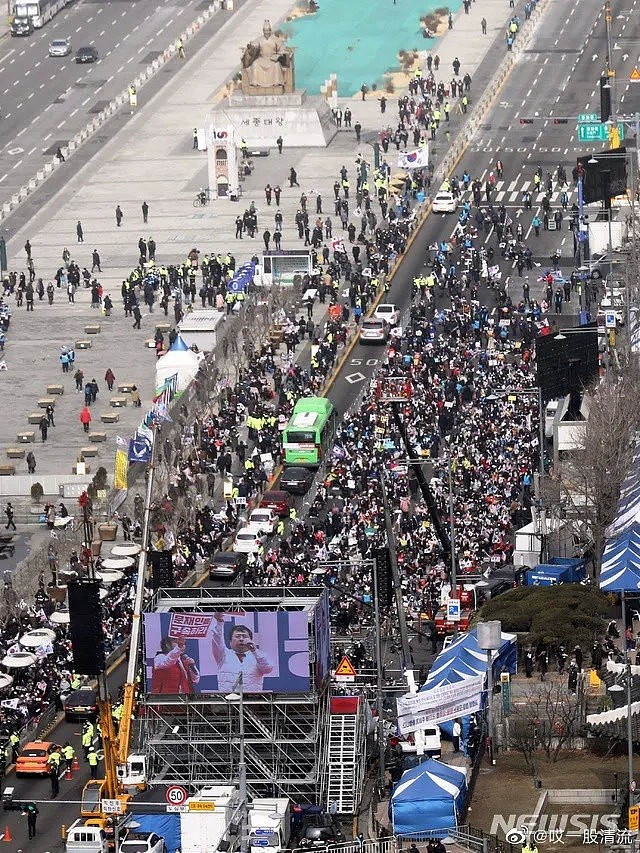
267 65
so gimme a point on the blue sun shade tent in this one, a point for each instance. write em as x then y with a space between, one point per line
428 798
621 562
242 278
628 515
167 826
464 659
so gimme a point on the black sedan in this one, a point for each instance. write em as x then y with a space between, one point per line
87 54
81 705
225 565
297 481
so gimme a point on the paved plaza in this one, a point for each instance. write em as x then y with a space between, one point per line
153 160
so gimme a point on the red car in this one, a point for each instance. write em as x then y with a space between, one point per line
277 500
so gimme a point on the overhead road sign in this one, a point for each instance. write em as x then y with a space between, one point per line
597 131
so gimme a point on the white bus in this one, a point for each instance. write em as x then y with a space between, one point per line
38 11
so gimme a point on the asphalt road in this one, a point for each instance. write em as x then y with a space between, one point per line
559 76
45 101
53 813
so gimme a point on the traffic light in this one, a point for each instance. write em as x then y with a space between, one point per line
384 577
605 99
560 120
526 121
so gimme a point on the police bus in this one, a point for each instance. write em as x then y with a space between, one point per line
38 12
308 436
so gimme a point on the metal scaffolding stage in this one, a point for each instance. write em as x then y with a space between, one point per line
195 739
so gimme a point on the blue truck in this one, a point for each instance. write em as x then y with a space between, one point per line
558 570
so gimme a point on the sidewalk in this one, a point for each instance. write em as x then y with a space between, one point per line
153 160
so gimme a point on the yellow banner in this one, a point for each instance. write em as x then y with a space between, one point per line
120 470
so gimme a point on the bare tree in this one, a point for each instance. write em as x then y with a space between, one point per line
592 480
548 719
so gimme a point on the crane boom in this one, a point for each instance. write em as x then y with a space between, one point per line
129 695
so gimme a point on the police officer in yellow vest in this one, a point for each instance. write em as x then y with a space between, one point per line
54 760
68 753
14 743
87 740
93 760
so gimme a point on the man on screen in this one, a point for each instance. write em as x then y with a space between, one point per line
173 670
242 655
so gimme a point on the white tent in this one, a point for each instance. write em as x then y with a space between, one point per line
179 360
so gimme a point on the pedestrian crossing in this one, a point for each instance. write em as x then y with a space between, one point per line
512 192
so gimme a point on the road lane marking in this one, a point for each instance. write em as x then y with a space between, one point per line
73 113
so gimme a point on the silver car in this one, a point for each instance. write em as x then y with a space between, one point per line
374 331
60 47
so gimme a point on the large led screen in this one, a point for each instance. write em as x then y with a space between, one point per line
191 653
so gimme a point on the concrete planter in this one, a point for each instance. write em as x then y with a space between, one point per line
107 530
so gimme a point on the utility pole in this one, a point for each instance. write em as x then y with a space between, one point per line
452 535
397 588
379 698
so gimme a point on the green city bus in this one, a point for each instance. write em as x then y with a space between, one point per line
309 434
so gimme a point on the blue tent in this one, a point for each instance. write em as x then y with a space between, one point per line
629 503
167 826
428 798
464 659
179 345
621 562
242 278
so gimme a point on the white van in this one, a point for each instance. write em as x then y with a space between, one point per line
549 416
86 839
432 748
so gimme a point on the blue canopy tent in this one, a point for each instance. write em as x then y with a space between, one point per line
628 514
465 659
179 345
242 278
428 798
620 570
167 826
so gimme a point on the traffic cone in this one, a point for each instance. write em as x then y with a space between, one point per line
76 763
67 774
6 835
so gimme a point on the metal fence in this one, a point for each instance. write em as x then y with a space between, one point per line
466 836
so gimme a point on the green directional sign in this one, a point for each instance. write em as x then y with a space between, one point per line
588 118
597 132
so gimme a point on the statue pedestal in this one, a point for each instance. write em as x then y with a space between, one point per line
302 120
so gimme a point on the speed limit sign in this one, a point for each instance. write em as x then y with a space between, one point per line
176 795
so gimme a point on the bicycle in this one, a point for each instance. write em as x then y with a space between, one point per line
203 197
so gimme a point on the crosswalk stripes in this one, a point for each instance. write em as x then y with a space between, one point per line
512 191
